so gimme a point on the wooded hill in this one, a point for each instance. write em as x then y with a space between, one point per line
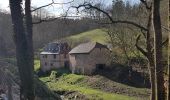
43 33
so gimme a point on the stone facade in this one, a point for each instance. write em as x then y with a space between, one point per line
87 63
53 61
53 56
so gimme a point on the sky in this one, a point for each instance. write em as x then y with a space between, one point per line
57 9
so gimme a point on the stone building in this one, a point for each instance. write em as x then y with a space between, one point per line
88 57
54 55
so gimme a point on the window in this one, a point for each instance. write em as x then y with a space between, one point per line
66 64
51 64
75 57
45 63
45 56
54 56
100 66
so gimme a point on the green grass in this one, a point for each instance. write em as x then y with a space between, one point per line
97 35
72 82
89 92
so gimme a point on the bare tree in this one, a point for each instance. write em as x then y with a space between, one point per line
23 49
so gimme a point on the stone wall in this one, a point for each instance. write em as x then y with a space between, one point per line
49 62
86 63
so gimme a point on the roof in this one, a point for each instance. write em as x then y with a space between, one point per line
86 47
56 48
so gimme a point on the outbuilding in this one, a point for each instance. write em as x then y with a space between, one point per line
88 57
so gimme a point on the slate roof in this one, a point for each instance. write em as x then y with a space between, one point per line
56 48
86 48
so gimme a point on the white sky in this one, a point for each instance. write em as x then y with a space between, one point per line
57 9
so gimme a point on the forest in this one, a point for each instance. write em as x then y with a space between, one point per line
136 35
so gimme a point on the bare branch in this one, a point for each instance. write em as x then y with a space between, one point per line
42 7
139 48
89 6
165 42
45 20
165 28
52 19
52 3
144 34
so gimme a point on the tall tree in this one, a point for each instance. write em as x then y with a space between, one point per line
158 51
23 55
168 87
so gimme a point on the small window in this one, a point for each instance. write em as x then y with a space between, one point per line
100 66
45 56
54 56
51 64
45 63
75 56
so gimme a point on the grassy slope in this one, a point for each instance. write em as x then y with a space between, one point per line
82 84
97 35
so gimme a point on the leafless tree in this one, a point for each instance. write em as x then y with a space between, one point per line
24 50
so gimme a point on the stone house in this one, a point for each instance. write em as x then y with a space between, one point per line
54 55
86 58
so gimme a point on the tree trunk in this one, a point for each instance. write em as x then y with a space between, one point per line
168 87
28 31
152 79
150 56
158 51
22 52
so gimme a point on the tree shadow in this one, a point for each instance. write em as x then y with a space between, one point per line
125 75
58 72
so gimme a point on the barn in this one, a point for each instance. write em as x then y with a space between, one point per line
54 55
88 57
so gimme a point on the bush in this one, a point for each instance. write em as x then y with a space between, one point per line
53 76
41 73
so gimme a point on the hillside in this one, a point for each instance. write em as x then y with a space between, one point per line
80 87
96 35
97 87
